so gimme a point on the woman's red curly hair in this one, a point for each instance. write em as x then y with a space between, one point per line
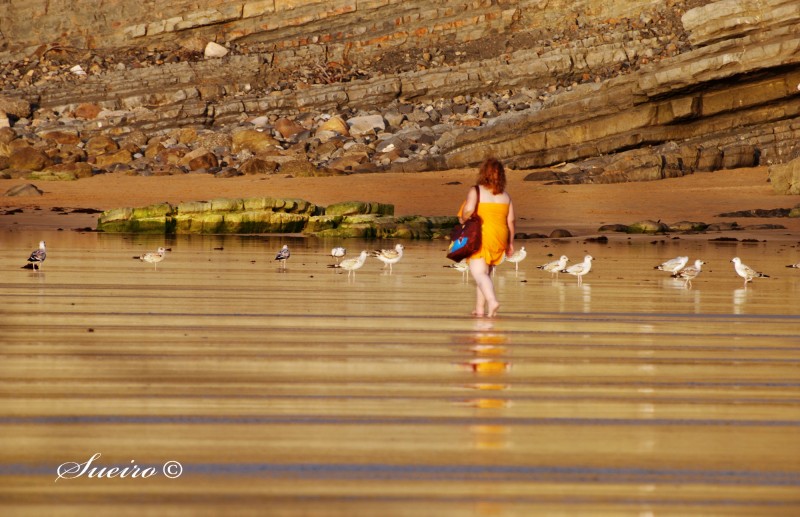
492 175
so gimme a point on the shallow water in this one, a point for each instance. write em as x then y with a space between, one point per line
307 392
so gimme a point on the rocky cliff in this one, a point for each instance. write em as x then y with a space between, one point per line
573 91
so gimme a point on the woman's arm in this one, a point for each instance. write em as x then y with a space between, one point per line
469 206
512 228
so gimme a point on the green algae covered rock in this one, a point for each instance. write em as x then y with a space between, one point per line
648 226
359 207
354 219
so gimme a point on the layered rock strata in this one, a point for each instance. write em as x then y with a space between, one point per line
621 91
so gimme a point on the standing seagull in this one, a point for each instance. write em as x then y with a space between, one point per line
673 265
580 269
745 271
38 256
556 266
283 255
462 266
153 257
338 252
517 257
351 264
690 273
389 257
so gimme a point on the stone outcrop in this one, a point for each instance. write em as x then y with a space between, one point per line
625 90
785 178
270 215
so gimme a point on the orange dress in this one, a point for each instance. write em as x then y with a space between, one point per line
494 232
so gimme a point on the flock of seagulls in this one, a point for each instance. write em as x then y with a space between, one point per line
677 267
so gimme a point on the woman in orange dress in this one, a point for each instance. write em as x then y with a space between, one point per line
497 232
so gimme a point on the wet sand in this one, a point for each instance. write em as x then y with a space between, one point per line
305 392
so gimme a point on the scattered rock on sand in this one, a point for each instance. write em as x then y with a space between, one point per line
26 189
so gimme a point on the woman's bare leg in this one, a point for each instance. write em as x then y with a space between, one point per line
484 295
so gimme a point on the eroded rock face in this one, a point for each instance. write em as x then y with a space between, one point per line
625 90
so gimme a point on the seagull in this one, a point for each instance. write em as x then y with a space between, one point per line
555 266
153 257
462 266
690 273
38 256
351 264
517 257
673 265
745 271
338 252
580 269
283 255
389 257
794 265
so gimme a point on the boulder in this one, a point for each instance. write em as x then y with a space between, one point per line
52 176
301 168
254 141
15 106
61 136
785 177
24 190
199 159
28 158
366 124
214 50
560 233
101 144
257 165
77 169
108 159
687 226
87 111
648 226
287 128
621 228
336 125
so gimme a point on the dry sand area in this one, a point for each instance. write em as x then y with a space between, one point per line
540 208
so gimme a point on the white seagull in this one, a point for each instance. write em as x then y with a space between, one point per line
38 256
283 255
153 257
389 257
581 269
338 252
351 264
794 265
517 257
556 266
689 273
746 271
462 266
673 265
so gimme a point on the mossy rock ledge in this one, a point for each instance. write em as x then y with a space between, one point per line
272 215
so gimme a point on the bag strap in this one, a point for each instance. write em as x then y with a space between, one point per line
478 201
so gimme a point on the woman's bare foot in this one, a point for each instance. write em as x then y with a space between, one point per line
477 314
493 306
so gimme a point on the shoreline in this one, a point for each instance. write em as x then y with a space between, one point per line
540 208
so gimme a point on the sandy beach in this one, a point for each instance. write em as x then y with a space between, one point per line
540 207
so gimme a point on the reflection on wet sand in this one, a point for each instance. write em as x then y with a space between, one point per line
305 391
